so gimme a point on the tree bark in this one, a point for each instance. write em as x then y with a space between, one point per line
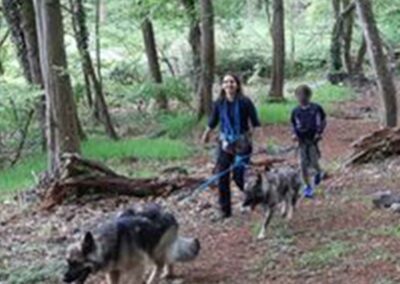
28 27
62 128
278 51
78 16
99 4
12 15
337 31
379 61
152 60
82 36
30 36
3 39
204 91
347 38
194 40
358 65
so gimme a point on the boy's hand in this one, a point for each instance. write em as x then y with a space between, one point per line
318 137
295 138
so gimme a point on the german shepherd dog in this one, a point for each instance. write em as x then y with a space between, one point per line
272 188
124 247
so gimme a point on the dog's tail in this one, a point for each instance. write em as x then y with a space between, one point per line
184 249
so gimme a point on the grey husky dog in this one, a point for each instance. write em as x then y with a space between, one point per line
272 188
126 246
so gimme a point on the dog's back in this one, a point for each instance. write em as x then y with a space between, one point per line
130 240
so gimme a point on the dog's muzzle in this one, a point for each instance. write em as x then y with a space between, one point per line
77 275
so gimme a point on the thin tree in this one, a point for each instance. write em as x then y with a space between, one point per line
152 60
82 37
278 51
379 61
28 27
336 36
204 91
362 50
61 122
194 39
348 23
12 14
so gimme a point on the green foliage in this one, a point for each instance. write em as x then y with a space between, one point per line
325 255
22 174
388 231
125 73
275 113
173 88
48 273
148 149
177 125
242 62
16 99
326 95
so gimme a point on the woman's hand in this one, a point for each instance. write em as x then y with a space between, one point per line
205 138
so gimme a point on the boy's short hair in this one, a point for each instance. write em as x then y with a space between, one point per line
303 89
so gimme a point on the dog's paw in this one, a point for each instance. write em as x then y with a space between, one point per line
261 236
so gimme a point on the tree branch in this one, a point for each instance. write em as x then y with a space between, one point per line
4 38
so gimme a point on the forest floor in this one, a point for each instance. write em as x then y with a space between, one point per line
338 237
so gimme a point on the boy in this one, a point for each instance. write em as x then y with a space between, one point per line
308 121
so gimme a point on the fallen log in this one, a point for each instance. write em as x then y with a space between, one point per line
79 177
378 145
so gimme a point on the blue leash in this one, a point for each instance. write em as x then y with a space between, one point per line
238 162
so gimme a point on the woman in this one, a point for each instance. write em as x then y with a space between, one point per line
234 112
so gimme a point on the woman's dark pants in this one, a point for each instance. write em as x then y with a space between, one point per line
224 161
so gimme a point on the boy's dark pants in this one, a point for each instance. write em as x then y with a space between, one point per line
309 158
224 161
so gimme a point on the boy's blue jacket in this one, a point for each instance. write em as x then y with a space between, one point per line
308 121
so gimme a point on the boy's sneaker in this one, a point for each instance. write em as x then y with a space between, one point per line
318 178
308 192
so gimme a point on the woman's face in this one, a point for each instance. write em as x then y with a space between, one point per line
229 85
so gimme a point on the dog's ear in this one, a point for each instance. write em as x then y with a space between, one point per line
88 244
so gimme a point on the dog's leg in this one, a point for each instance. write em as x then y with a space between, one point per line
113 277
289 214
155 274
168 271
267 218
283 206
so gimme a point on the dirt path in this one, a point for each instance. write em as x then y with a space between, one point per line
336 238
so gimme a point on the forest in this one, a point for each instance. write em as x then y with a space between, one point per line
103 105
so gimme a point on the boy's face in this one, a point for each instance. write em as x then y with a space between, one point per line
302 98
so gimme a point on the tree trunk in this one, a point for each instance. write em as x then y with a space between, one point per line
194 40
278 51
30 36
99 4
3 39
358 65
28 27
337 31
347 38
379 61
292 29
62 128
12 15
204 92
81 33
152 60
82 36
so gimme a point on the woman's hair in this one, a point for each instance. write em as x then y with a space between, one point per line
304 90
238 83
